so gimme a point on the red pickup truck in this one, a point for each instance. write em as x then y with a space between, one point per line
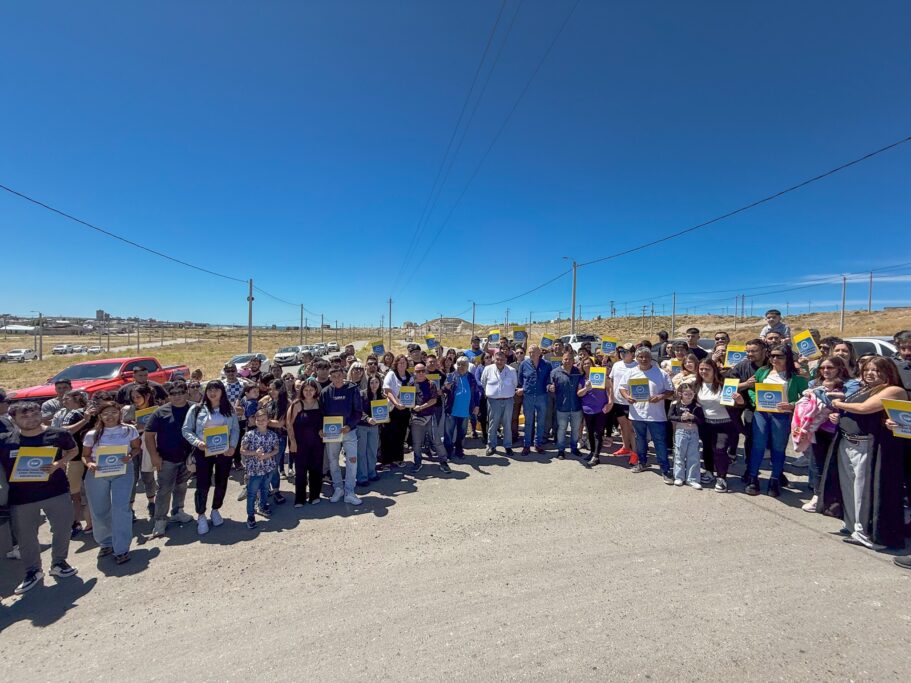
108 374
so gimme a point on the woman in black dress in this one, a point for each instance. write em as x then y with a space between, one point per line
305 418
392 436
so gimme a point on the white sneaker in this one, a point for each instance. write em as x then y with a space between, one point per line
216 518
159 528
694 484
336 495
352 499
810 505
678 482
182 517
202 525
14 554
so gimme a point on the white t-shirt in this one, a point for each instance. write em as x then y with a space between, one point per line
618 373
711 403
120 435
774 378
392 381
658 383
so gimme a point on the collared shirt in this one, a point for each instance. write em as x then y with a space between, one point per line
234 390
499 383
566 384
533 379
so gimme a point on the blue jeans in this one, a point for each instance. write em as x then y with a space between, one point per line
770 430
456 428
258 484
574 420
686 454
535 410
368 441
349 441
275 477
499 413
657 432
109 501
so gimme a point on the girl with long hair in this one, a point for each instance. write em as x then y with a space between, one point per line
393 434
718 429
305 420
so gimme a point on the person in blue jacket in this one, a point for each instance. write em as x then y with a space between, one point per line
463 398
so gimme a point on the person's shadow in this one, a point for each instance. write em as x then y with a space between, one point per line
44 605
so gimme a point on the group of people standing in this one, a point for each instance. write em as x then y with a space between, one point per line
274 426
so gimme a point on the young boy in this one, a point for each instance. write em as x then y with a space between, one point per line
686 415
775 324
258 450
250 403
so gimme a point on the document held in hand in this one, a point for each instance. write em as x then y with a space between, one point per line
109 460
332 428
639 389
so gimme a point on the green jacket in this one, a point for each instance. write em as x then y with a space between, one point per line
796 385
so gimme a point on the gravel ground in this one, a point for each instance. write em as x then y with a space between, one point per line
508 568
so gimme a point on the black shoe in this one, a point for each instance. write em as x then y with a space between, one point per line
594 460
745 477
491 451
251 522
576 454
783 480
150 508
122 559
104 552
32 578
444 467
774 488
279 498
753 487
508 451
903 562
75 530
526 451
561 455
62 568
668 478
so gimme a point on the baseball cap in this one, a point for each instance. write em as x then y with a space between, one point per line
476 339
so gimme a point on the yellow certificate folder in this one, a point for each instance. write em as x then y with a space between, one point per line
406 396
143 416
728 391
608 344
379 410
216 439
639 389
547 342
493 337
598 377
109 460
806 345
733 354
900 412
768 396
519 334
676 367
28 464
430 340
377 347
332 428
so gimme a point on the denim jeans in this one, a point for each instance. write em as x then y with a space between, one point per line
275 476
257 485
368 441
657 431
574 420
770 430
686 454
456 428
349 441
420 427
535 410
499 413
109 501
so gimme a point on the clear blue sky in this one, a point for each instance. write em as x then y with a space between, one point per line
297 142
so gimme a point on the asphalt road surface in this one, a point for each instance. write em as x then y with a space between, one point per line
508 568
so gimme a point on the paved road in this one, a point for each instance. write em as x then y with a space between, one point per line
506 569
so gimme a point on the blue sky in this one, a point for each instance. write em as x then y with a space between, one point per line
297 143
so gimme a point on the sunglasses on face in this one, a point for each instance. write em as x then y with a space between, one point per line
420 372
776 355
826 367
177 392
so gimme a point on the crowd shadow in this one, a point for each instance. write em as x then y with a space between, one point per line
44 604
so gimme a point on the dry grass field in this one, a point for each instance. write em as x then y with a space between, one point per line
214 347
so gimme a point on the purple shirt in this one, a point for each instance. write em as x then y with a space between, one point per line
594 401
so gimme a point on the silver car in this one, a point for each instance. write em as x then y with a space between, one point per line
287 355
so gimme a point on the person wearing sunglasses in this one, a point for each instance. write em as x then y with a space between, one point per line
168 450
771 430
425 399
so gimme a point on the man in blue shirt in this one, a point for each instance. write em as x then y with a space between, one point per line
534 376
462 400
564 385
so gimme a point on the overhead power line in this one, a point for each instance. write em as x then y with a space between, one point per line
115 236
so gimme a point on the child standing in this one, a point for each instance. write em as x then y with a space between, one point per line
250 404
686 415
258 450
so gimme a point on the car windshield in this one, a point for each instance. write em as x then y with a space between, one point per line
287 349
239 360
586 338
89 371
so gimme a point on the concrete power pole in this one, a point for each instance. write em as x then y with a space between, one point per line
250 318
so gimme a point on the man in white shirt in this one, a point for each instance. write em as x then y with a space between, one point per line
618 372
648 415
499 382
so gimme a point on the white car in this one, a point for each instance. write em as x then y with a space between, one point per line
873 346
287 355
576 341
21 355
242 359
94 349
332 346
62 349
78 348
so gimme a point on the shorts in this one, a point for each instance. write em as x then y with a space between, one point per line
75 473
619 410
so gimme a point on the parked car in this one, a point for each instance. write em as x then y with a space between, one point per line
77 348
102 375
873 346
320 349
332 346
62 349
576 340
288 355
308 348
94 349
20 355
243 359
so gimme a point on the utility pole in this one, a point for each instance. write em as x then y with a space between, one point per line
40 337
653 315
250 318
506 325
787 308
138 330
743 306
751 308
673 315
870 295
321 323
390 323
301 342
612 308
644 309
844 291
572 325
440 340
306 325
472 318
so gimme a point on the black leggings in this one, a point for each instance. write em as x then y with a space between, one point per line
716 438
594 427
205 466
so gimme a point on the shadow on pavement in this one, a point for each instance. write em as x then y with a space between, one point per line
45 603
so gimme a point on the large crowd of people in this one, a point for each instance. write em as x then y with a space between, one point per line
344 422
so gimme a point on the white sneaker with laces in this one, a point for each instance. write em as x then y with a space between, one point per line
810 505
202 525
352 499
694 484
337 495
678 482
182 517
160 526
216 518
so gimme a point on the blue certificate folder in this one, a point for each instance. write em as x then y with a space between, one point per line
216 440
639 389
768 396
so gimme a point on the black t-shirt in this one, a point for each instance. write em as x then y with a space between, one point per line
71 418
124 393
31 492
166 423
697 351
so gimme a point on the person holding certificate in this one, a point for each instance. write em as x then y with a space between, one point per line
718 430
368 432
392 438
34 458
342 399
138 413
212 429
108 451
597 402
772 424
647 411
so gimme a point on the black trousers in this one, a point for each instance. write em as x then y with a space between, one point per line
220 466
594 427
716 439
305 474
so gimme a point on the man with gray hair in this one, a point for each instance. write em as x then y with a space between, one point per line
647 412
499 382
463 399
534 376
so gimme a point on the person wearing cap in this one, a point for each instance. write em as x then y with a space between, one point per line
649 417
342 398
618 371
140 378
51 406
463 398
499 382
425 399
534 376
414 354
475 349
